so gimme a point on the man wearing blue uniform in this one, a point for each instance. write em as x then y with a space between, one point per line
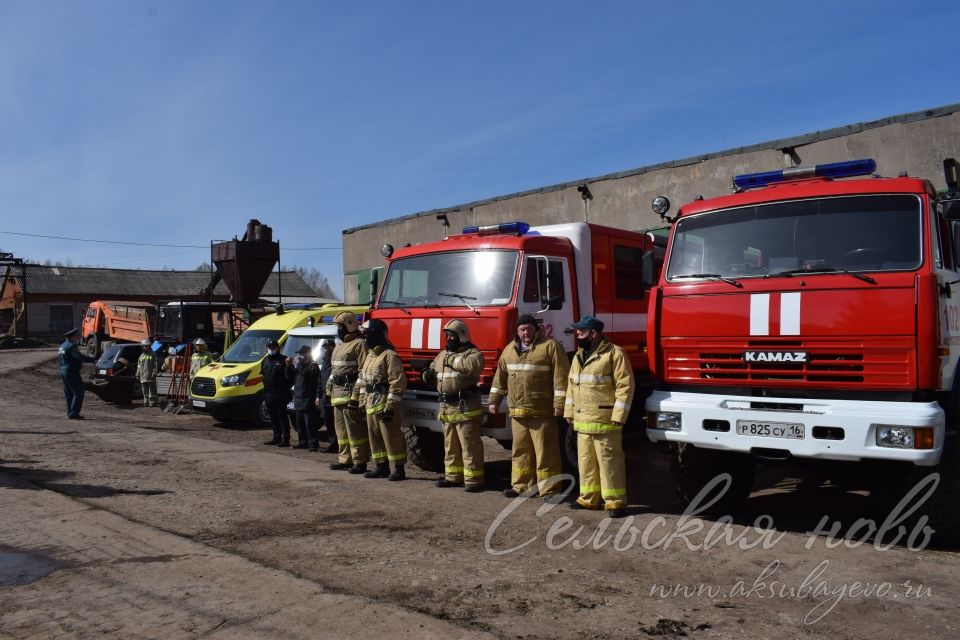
71 361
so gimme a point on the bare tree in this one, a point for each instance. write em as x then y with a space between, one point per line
317 281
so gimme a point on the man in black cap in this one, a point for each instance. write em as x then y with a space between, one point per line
71 362
278 377
307 394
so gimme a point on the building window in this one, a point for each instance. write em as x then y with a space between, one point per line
61 318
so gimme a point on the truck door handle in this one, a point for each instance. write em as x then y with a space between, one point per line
568 330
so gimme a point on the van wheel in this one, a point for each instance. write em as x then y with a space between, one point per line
263 415
942 508
424 448
693 469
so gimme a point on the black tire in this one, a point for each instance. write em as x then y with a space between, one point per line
569 459
93 346
942 508
424 448
693 469
263 415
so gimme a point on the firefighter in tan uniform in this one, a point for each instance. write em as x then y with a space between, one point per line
456 372
379 391
532 372
598 402
348 419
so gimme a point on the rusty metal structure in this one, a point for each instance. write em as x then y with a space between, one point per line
244 264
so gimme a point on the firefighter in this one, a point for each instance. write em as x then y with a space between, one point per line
598 402
456 372
147 374
348 420
379 390
532 372
278 377
71 362
200 358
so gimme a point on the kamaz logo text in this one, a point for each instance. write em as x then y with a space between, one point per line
775 356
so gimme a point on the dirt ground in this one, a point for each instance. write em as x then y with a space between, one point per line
138 524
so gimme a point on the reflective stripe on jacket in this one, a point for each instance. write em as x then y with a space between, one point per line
382 369
345 363
146 367
199 361
600 389
534 380
458 372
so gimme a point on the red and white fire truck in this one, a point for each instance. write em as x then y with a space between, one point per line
809 317
487 277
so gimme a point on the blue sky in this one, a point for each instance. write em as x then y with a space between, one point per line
176 122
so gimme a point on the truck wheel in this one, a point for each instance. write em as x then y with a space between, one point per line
93 346
568 449
694 468
943 507
424 448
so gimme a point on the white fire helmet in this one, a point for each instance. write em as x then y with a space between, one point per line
458 327
200 341
348 320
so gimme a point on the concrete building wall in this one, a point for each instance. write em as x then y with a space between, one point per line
915 143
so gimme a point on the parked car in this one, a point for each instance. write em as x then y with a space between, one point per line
114 374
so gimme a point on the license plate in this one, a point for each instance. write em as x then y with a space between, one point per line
102 372
419 414
770 429
199 403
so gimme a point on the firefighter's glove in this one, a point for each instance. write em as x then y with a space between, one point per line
353 404
429 376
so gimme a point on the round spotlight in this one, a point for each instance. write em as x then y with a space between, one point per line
386 250
660 205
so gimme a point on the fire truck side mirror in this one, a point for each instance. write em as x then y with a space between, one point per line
951 209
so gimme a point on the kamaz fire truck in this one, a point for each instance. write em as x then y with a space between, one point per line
814 318
487 277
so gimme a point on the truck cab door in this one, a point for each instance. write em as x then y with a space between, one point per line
545 293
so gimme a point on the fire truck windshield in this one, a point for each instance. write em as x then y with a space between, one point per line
817 235
475 278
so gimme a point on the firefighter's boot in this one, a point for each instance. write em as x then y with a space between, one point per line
398 473
382 470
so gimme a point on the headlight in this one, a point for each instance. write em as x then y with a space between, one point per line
665 421
900 437
235 380
894 436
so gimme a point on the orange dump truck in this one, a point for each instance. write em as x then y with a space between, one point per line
107 322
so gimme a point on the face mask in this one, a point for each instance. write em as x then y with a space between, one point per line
373 340
584 343
341 331
453 343
272 352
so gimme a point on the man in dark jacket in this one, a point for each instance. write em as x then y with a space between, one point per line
277 380
307 394
71 362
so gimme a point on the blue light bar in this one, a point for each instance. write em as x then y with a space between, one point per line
518 228
845 169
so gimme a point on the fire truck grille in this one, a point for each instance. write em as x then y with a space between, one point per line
885 363
203 387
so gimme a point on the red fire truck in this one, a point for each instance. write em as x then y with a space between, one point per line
810 317
487 277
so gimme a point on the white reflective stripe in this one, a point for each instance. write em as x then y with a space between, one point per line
790 314
587 377
527 367
416 333
494 390
569 402
448 374
434 333
342 363
619 404
393 396
760 314
559 394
